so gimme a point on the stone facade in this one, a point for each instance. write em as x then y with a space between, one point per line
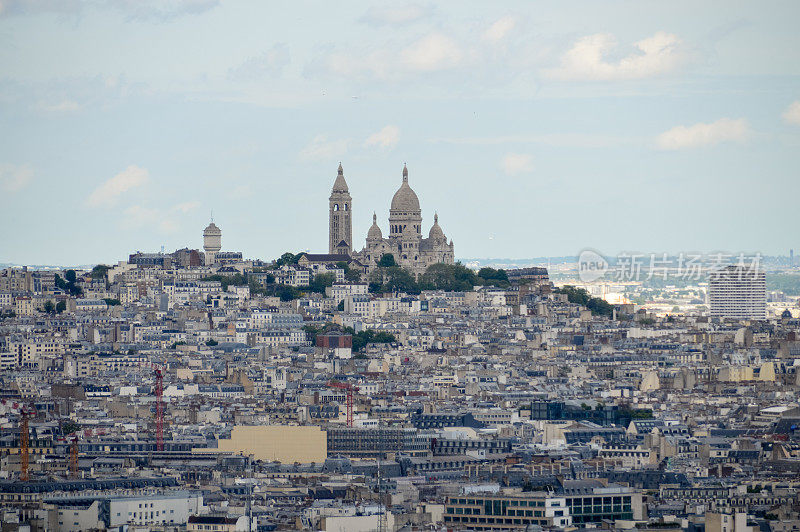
405 242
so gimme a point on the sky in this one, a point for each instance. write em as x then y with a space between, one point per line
532 128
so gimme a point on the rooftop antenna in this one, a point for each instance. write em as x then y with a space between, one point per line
212 216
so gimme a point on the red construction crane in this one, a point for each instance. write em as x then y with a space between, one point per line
24 436
349 389
73 458
159 393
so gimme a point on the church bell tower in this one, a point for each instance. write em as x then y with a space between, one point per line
340 225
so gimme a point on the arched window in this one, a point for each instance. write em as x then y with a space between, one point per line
335 206
345 206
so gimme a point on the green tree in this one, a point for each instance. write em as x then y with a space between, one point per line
393 279
61 306
387 261
311 332
69 427
340 306
350 274
100 271
448 277
287 258
111 302
361 339
580 296
490 276
237 279
69 285
321 281
49 308
212 343
286 292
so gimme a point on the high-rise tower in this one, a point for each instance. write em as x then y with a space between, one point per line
738 292
340 226
212 242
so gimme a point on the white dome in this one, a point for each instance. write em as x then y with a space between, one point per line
374 232
436 232
405 199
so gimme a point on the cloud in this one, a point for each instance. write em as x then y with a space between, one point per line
138 217
241 192
321 148
517 163
385 138
433 52
109 192
792 113
395 15
268 64
430 53
588 59
186 206
570 140
63 106
14 178
701 134
164 10
29 7
499 30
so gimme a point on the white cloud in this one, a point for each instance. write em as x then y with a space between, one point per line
395 15
63 106
385 138
321 148
792 113
433 52
701 134
588 58
500 29
571 140
268 64
14 178
109 192
517 163
430 53
137 217
186 206
163 10
240 192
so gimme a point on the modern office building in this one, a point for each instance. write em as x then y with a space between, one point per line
499 511
738 292
358 442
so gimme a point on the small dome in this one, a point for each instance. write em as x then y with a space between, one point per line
374 232
436 232
212 229
405 199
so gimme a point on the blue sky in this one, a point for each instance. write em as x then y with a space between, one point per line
532 128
